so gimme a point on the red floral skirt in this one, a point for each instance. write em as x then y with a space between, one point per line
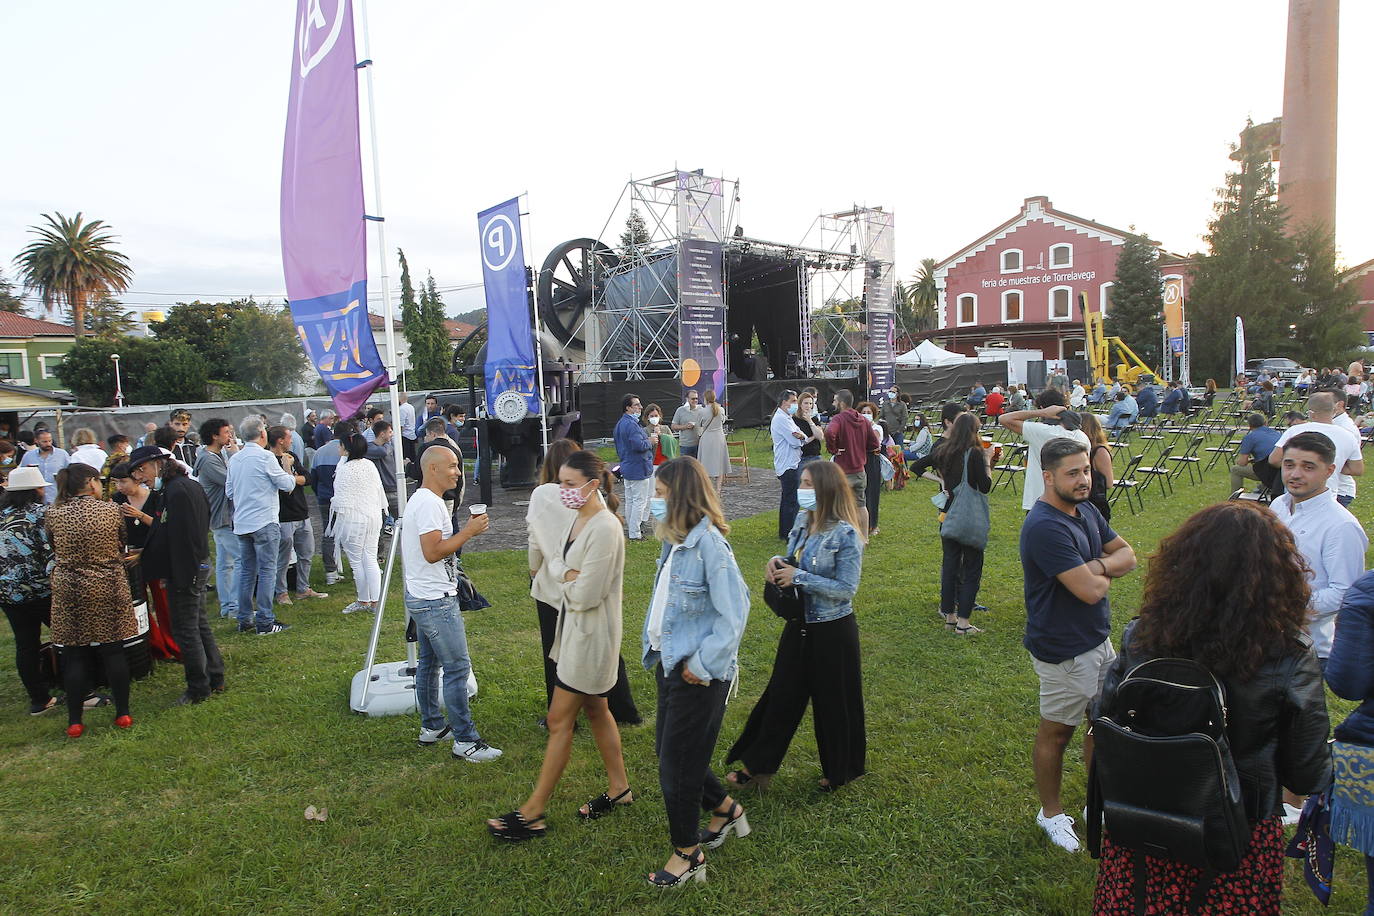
1253 889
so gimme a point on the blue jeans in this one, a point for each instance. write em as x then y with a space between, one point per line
1345 500
443 643
689 450
258 571
228 560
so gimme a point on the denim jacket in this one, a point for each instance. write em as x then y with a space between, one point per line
829 568
708 604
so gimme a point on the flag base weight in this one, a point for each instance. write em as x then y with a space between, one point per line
391 689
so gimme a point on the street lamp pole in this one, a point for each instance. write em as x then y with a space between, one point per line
119 388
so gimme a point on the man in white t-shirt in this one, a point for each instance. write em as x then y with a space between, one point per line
1321 418
428 548
1049 404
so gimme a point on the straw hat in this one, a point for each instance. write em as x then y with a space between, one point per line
27 478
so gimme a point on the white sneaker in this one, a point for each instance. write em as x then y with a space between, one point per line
432 736
331 578
1059 829
475 751
1291 815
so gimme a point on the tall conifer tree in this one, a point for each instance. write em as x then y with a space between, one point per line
1137 303
1247 272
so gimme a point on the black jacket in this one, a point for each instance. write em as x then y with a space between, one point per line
178 542
1276 724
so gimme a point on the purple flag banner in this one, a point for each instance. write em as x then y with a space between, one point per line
323 235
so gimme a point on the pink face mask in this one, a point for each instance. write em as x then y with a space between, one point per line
573 497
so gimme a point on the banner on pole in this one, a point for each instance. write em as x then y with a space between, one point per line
1240 346
510 365
701 282
879 252
1173 313
323 233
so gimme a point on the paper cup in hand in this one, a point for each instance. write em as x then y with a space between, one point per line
478 509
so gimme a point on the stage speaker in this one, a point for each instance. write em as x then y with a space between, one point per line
1036 375
1077 369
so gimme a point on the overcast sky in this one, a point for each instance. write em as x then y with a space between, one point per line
165 119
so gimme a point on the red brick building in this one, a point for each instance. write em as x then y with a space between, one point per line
1018 285
1363 277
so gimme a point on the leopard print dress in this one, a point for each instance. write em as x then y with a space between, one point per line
91 600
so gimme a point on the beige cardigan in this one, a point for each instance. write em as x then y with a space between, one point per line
548 522
586 646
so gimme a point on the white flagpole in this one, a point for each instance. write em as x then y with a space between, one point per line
389 329
538 329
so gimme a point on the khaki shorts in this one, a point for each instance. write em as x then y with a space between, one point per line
859 484
1066 689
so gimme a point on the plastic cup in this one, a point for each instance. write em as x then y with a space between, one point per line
478 509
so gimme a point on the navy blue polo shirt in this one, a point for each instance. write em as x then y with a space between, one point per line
1058 625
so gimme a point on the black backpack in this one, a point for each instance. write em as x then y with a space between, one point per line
1162 772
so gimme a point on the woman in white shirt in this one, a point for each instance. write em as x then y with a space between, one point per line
589 567
357 509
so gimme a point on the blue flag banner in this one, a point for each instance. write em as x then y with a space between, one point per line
510 362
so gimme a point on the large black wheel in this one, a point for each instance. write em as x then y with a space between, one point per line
570 274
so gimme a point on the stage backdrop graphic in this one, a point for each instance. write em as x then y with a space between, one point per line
879 250
510 362
323 233
1173 313
701 283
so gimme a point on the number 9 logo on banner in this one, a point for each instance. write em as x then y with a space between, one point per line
498 242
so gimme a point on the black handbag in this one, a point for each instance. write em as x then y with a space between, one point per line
785 602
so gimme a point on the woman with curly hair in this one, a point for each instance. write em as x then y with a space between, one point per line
1229 590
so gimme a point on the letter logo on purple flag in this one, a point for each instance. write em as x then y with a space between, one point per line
323 233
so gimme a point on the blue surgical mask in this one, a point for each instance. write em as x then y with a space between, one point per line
806 498
157 483
792 409
658 506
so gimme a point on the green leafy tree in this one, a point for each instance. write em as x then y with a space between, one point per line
1248 271
917 301
9 302
418 343
265 354
1327 327
73 263
204 327
1137 309
108 319
474 317
154 371
172 373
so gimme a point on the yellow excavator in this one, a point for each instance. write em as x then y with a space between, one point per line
1130 369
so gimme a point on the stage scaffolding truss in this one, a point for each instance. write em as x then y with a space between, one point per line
631 329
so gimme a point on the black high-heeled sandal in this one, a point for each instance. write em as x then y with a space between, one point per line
736 823
514 828
603 804
696 870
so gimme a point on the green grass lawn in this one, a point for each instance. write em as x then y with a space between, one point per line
199 809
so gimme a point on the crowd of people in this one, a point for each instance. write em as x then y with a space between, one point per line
93 534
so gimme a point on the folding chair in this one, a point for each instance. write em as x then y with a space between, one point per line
1151 433
1007 470
1128 485
1160 471
1228 448
741 461
1188 459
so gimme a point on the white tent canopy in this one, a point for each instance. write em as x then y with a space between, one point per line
930 354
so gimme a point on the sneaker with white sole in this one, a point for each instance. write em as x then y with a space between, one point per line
475 751
432 736
332 578
351 608
1059 829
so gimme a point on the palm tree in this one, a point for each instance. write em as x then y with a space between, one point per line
72 262
925 296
